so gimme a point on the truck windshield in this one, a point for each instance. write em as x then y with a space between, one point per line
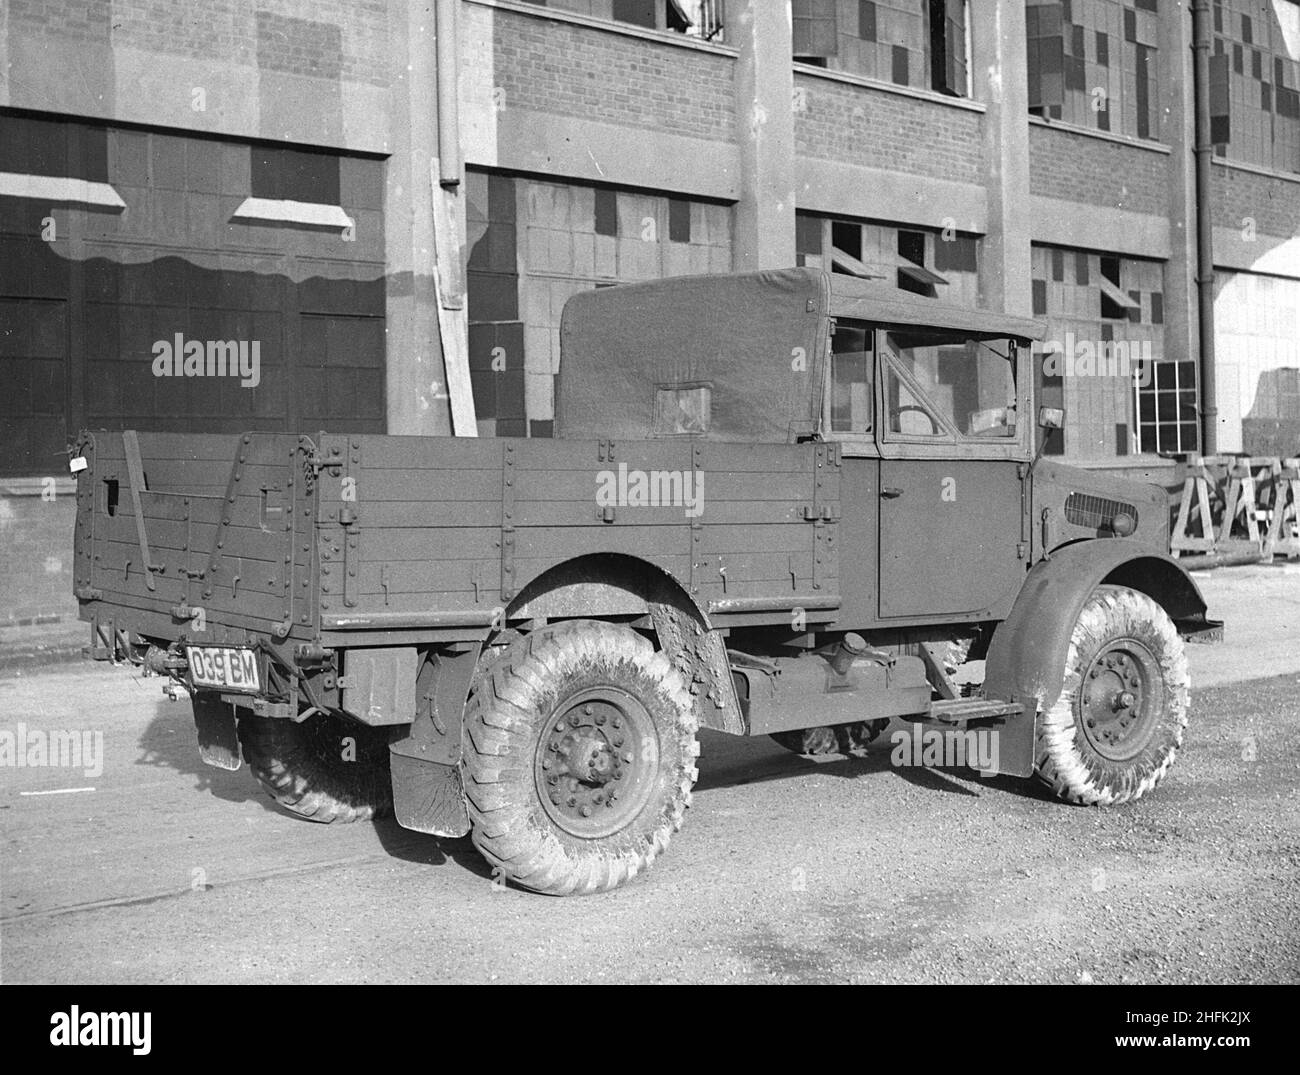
970 384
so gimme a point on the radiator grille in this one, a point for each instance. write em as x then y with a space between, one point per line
1096 512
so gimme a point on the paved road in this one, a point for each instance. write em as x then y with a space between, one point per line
787 870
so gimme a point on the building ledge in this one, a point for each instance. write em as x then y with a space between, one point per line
1256 169
61 190
1104 136
624 29
283 211
963 103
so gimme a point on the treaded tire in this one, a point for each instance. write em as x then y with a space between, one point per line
304 769
1075 761
531 699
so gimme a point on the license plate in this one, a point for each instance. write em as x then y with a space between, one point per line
229 668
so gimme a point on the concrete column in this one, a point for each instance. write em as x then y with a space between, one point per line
416 379
764 224
1000 83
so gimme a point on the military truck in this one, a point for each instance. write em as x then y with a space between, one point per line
783 503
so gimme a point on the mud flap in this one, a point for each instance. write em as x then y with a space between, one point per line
218 733
1015 745
427 796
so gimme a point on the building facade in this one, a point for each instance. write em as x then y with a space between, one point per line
388 203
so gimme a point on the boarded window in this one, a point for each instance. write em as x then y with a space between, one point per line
636 12
815 26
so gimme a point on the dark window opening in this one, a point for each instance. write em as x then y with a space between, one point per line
948 46
635 12
956 254
297 175
606 212
846 238
679 220
1110 308
53 148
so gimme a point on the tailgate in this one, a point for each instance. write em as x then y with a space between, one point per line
178 533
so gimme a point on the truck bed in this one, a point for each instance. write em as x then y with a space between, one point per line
373 540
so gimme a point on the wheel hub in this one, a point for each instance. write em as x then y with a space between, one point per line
595 762
1119 698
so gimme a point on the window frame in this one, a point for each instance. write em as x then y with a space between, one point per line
953 444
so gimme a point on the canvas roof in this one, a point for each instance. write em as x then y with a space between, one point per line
757 339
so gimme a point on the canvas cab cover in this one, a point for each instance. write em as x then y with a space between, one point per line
736 357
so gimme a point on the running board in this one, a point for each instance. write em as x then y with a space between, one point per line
961 710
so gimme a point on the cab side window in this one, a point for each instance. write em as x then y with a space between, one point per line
852 359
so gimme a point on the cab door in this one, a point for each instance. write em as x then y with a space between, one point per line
953 463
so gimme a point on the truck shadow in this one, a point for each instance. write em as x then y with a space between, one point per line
169 742
729 761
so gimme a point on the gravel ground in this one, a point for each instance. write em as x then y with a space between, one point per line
788 870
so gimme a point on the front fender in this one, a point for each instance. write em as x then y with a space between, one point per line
1027 654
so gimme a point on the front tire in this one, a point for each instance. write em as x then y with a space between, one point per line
579 757
325 769
1118 724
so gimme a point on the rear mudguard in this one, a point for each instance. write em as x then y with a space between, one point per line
1027 654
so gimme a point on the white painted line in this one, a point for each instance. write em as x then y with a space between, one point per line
56 791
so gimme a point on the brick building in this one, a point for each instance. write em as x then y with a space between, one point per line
393 201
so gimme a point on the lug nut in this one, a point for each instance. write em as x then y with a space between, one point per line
587 709
586 810
627 757
618 722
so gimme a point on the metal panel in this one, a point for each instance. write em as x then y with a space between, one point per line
379 684
950 537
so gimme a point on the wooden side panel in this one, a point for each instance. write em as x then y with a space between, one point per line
220 513
442 525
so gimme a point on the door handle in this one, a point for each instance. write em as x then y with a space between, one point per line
890 493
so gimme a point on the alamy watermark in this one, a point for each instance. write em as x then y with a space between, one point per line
651 489
1073 357
35 748
975 748
179 357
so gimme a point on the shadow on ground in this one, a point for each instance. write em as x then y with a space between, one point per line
169 742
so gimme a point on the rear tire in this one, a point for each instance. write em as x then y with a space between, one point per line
579 758
325 769
1116 728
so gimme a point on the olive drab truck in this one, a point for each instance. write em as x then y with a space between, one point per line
784 503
